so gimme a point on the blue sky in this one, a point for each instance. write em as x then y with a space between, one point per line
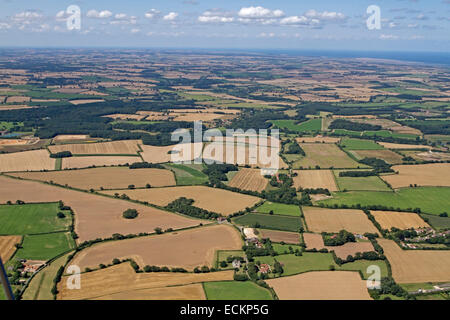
406 25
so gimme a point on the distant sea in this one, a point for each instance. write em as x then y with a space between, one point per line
424 57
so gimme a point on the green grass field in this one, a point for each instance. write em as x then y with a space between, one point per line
284 248
316 261
432 200
437 222
32 219
188 174
279 208
235 290
386 133
344 132
4 125
266 221
373 183
307 126
359 144
45 246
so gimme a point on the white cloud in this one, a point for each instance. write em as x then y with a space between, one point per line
215 16
99 14
152 13
27 15
266 35
294 20
135 30
4 25
325 15
120 16
170 16
259 13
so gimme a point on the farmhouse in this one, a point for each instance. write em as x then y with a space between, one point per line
264 268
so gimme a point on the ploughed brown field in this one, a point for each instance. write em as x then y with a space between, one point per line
35 160
107 178
335 220
280 236
325 155
113 147
400 220
177 153
315 240
122 282
249 179
97 161
7 246
212 199
387 155
417 266
315 179
95 216
185 249
321 285
433 174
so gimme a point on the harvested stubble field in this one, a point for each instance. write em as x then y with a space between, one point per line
122 279
315 240
399 146
387 155
119 116
85 101
280 236
97 161
335 220
7 246
326 156
177 153
185 249
107 178
315 179
12 142
69 137
212 199
433 174
249 179
321 285
318 140
400 220
113 147
95 216
417 266
243 154
35 160
186 292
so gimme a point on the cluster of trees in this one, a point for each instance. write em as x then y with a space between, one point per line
389 286
251 250
142 165
314 191
217 172
130 214
184 206
163 269
62 154
353 126
294 148
338 239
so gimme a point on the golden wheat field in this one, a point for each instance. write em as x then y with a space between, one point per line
318 139
335 220
7 246
433 174
97 161
400 220
35 160
185 249
106 178
122 279
95 216
178 153
325 155
315 179
417 266
249 179
114 147
212 199
321 285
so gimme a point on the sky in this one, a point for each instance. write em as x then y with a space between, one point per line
405 25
